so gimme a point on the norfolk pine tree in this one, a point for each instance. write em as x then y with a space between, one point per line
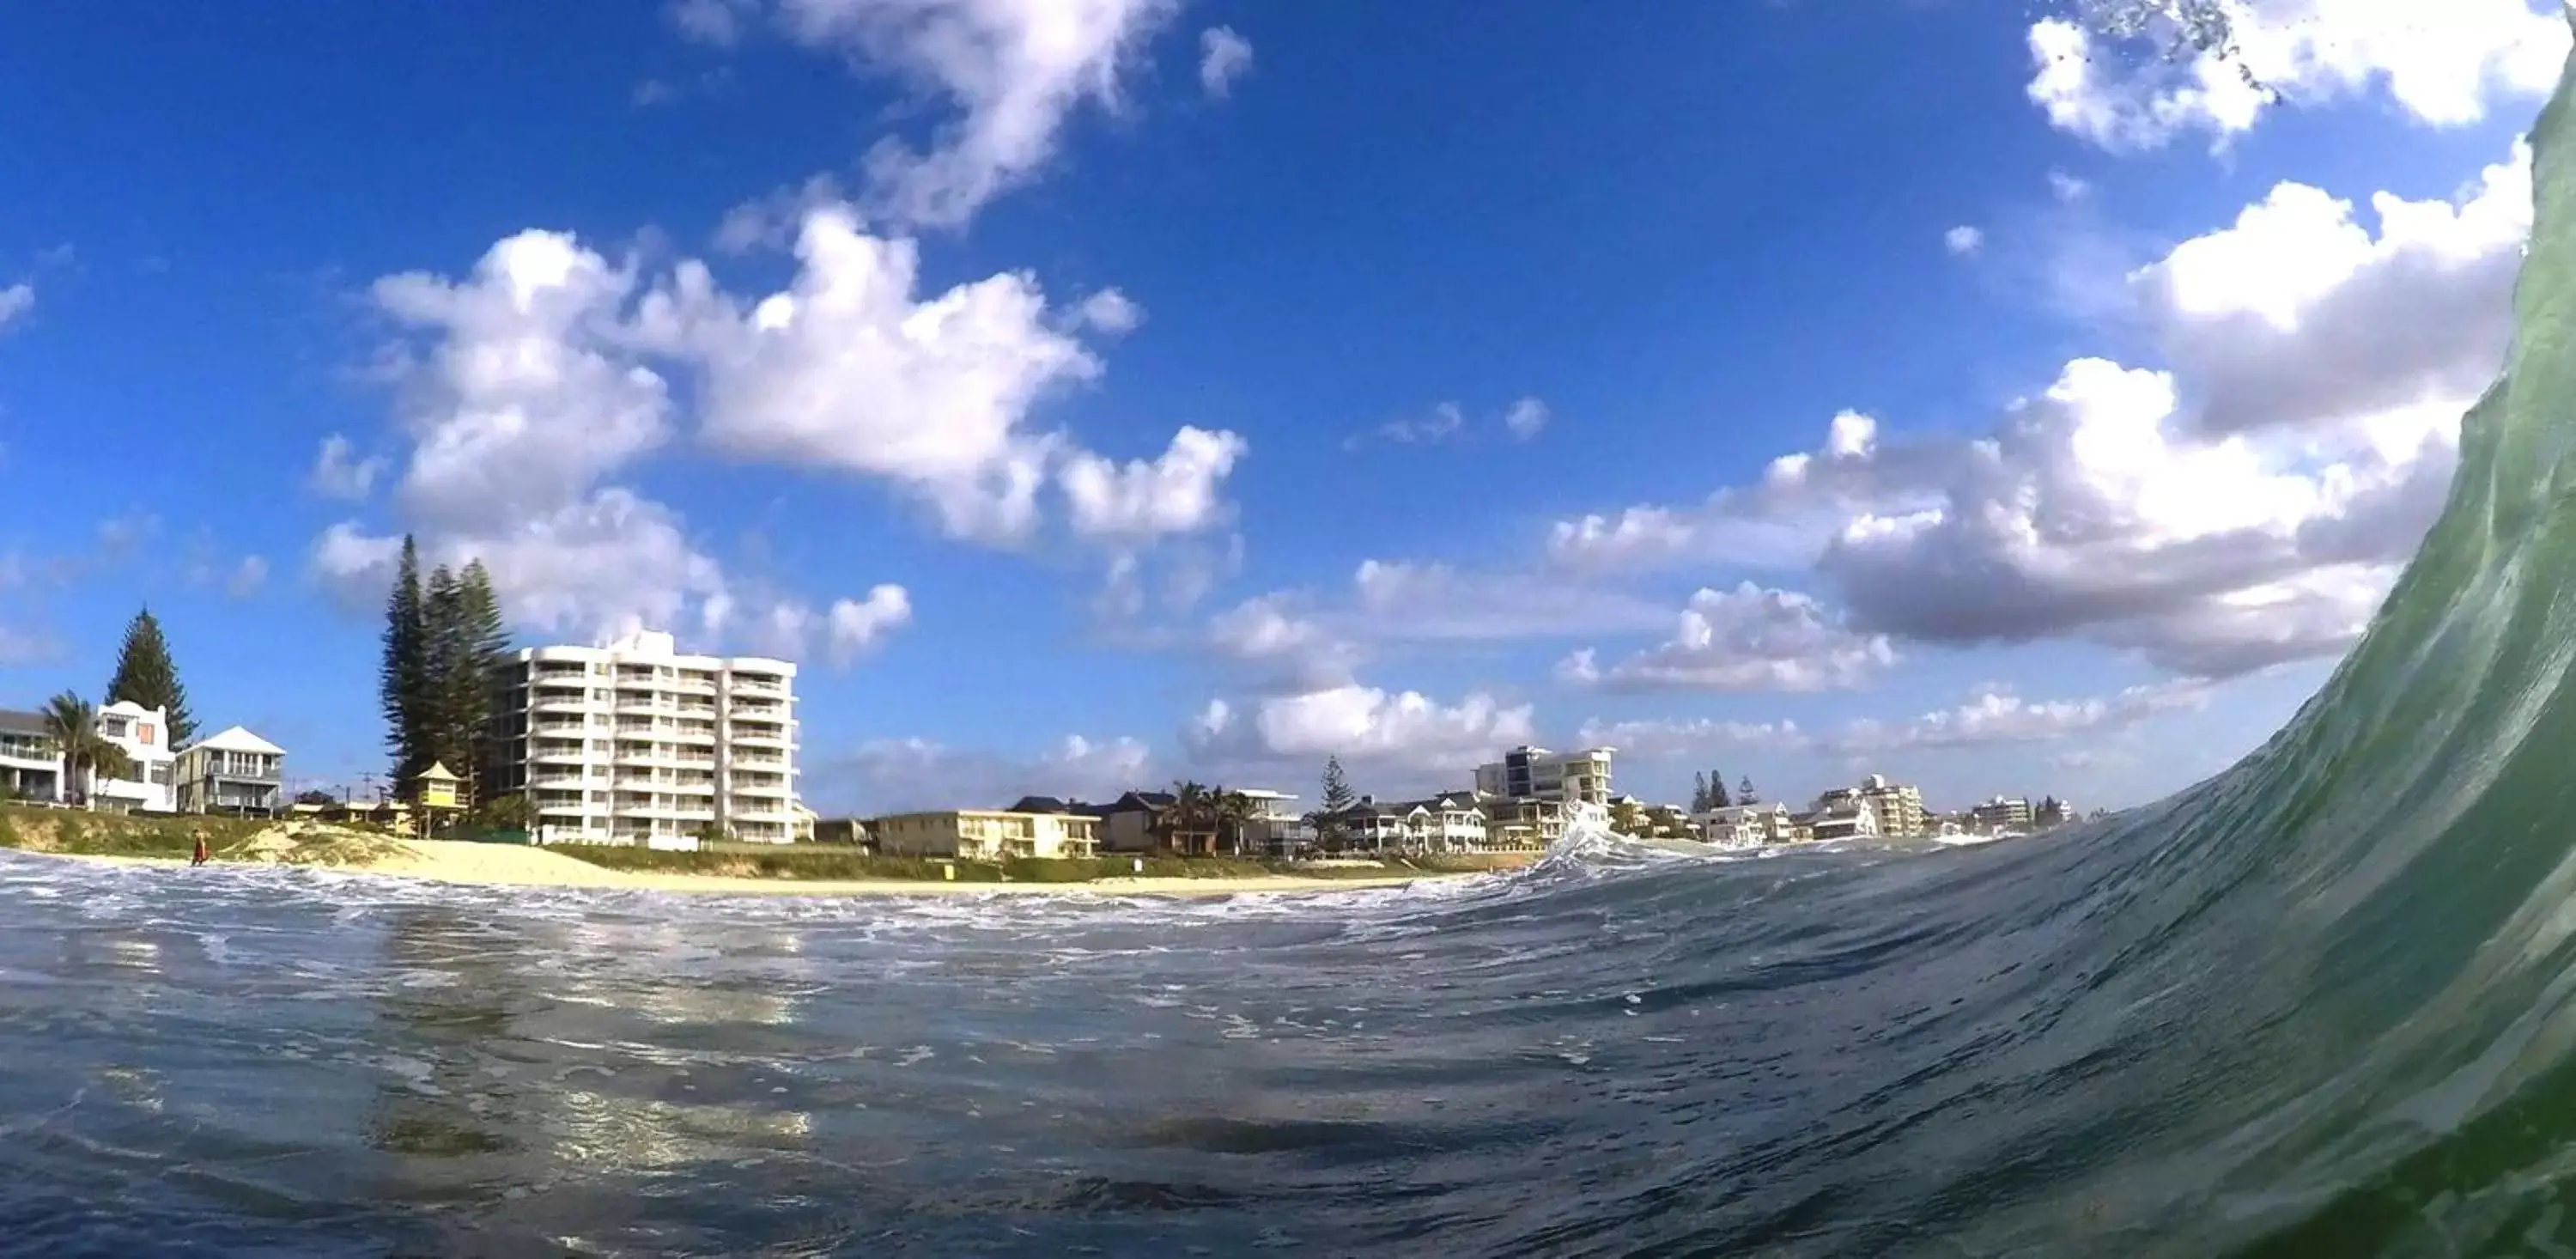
403 679
145 676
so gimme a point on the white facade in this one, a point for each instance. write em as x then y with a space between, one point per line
232 772
144 733
1744 825
1276 826
1453 823
634 742
1578 780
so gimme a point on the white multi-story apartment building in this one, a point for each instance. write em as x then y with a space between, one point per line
634 742
1578 780
1897 809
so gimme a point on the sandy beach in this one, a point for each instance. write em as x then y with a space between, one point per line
512 866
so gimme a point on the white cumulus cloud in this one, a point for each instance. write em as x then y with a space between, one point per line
1746 639
854 626
1223 58
2444 64
1012 69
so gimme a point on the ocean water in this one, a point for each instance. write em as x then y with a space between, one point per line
2321 1005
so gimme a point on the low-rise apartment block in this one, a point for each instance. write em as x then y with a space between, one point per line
31 765
986 835
2002 815
234 772
635 741
1580 781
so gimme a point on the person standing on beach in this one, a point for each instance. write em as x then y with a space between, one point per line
199 857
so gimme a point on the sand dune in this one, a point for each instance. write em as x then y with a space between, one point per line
313 844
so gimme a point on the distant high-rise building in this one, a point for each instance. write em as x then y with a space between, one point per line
2002 814
633 742
1527 773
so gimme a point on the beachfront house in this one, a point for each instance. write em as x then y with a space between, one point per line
848 832
1127 823
234 772
144 735
1452 822
1273 826
1744 825
31 766
1375 827
1524 824
986 835
1840 822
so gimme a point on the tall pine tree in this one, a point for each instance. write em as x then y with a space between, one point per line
1330 830
1744 792
145 675
449 728
403 679
482 645
1699 792
1717 797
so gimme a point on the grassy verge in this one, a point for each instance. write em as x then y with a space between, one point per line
809 861
87 834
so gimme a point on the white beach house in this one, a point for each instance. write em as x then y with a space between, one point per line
235 772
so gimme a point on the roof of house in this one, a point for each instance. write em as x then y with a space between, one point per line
1050 804
14 722
1135 800
236 739
438 772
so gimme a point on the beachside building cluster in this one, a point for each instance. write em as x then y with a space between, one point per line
1873 809
232 771
636 742
1519 803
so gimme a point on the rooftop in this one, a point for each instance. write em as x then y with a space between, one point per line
236 739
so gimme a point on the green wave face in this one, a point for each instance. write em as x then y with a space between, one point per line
2329 996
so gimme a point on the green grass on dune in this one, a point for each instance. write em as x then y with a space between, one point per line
808 861
87 834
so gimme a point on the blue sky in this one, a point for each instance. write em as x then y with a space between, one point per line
1196 389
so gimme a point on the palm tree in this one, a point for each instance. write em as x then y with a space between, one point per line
1187 818
1232 812
72 723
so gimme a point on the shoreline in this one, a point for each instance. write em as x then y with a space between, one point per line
487 865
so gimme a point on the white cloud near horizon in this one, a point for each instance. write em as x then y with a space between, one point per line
1406 738
1746 639
897 775
2247 505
